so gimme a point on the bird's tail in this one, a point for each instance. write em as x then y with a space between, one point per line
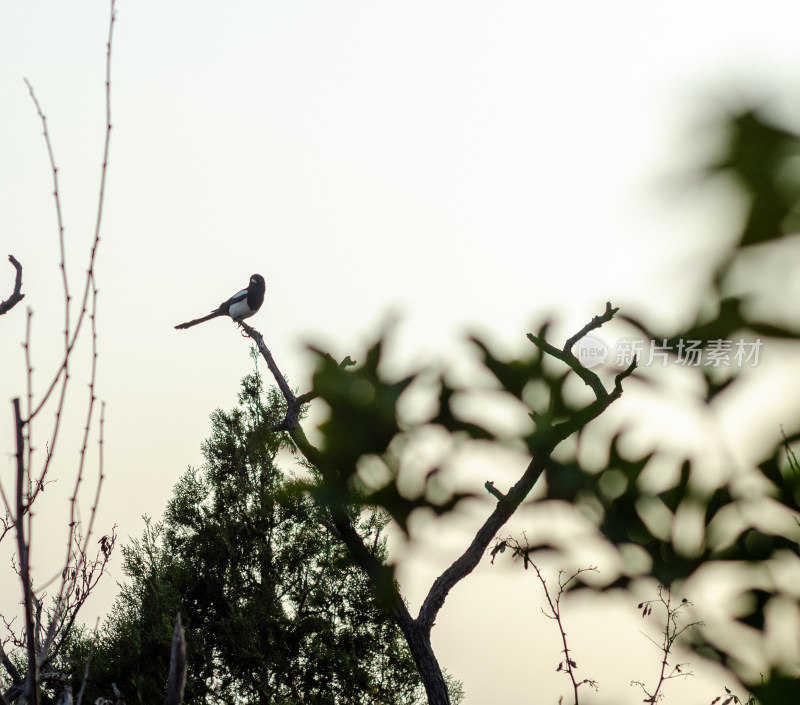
189 324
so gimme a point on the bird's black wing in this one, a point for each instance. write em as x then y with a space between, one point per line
235 299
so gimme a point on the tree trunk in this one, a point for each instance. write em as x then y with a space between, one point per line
419 641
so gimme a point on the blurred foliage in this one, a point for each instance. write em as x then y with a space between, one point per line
364 422
761 157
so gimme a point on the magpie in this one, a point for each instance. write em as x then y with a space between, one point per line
239 306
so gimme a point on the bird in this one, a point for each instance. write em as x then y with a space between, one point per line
241 305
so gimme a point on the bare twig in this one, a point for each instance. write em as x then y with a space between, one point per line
492 490
731 699
71 337
77 550
63 370
294 404
26 346
568 665
23 551
16 295
594 324
6 522
78 582
672 630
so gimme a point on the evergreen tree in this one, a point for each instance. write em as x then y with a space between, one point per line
274 611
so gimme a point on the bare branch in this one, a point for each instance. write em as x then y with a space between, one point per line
16 295
77 583
566 355
70 340
378 572
32 676
594 324
381 575
492 490
11 669
63 370
568 664
417 631
671 632
508 504
63 262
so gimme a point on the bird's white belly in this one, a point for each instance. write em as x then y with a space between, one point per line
240 309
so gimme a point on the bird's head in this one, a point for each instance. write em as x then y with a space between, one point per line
257 279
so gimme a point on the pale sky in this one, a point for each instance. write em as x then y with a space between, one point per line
468 165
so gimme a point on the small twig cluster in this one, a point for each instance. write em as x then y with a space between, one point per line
567 665
672 630
730 699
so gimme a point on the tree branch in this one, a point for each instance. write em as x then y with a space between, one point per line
492 490
32 675
380 574
468 560
16 295
417 631
12 671
509 503
70 339
566 355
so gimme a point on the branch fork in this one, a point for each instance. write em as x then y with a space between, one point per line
417 630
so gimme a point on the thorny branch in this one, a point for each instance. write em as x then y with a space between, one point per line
568 665
71 336
64 368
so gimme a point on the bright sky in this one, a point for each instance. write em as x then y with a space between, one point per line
469 165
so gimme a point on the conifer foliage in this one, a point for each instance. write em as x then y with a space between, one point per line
274 611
